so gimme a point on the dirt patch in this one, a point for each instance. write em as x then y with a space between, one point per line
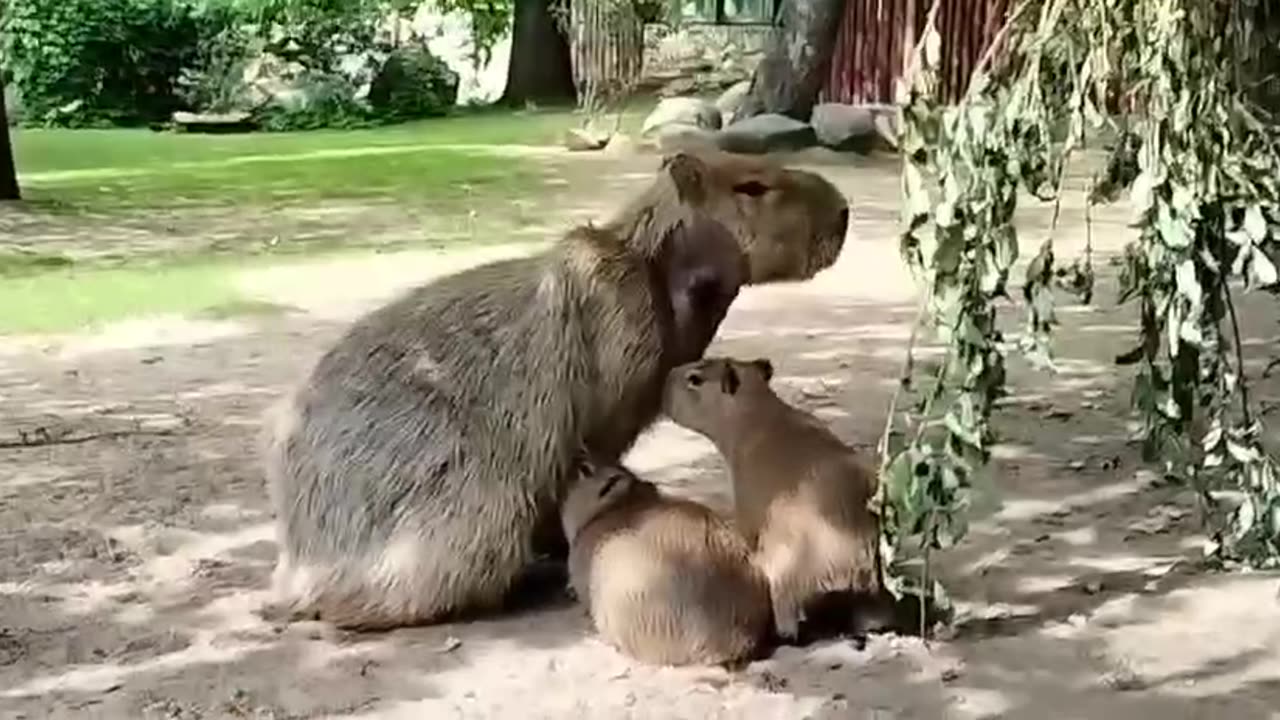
132 566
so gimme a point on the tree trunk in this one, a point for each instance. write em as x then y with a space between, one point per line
540 70
791 74
8 173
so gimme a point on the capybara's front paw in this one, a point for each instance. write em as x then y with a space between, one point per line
786 623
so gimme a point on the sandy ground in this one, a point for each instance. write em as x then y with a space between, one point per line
134 552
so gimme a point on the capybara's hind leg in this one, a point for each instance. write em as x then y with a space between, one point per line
548 539
873 613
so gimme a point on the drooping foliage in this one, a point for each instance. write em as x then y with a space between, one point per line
1171 87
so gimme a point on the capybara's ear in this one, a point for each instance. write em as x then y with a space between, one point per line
582 464
729 381
688 173
764 367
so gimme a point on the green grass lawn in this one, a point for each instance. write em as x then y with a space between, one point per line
432 164
72 298
136 169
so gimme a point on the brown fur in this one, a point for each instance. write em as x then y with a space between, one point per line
665 580
800 494
412 468
791 223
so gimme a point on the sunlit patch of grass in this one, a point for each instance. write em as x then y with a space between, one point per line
18 262
75 299
419 174
430 163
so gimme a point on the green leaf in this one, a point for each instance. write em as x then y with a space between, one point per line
1255 225
1242 453
917 197
1188 283
1005 242
1174 232
991 278
932 47
1262 270
1242 520
1173 326
1141 197
1213 437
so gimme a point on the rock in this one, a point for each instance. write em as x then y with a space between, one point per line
683 110
190 118
886 124
681 136
583 139
731 100
229 122
843 127
620 144
766 133
271 80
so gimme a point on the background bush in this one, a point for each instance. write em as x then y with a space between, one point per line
94 62
84 63
413 83
214 82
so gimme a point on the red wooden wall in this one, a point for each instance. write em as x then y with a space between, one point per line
876 35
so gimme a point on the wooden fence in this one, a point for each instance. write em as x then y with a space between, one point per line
607 51
877 36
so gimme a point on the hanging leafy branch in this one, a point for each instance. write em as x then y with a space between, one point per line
1202 172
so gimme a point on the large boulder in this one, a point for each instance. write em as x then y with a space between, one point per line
229 122
861 128
887 129
682 111
843 127
620 144
584 139
273 81
730 102
270 81
412 83
674 137
765 134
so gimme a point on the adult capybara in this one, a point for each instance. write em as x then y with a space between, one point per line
665 580
799 493
409 471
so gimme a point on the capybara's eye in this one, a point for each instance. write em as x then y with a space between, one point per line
611 483
751 188
695 379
